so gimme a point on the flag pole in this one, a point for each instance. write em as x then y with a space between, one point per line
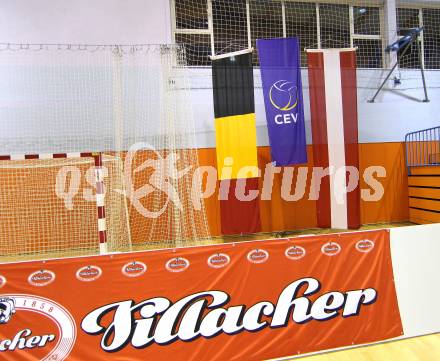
234 53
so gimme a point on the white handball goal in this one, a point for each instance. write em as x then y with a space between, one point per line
57 206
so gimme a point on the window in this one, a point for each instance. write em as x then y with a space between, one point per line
191 14
407 19
266 22
192 29
197 48
366 36
236 24
334 24
369 53
429 42
301 22
366 20
431 38
230 25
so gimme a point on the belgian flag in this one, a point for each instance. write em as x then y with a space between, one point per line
236 143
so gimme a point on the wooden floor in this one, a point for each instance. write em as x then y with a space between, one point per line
303 232
33 256
425 348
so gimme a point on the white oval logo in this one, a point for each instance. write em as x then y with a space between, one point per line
177 264
258 256
2 281
134 269
218 260
364 245
41 278
331 249
295 252
88 273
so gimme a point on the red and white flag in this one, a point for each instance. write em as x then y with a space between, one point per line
333 104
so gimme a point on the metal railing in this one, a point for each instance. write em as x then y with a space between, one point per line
422 148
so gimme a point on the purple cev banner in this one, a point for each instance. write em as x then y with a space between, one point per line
280 68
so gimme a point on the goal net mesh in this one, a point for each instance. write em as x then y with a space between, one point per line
131 104
48 208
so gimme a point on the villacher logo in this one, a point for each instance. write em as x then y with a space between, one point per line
41 278
208 314
134 269
258 256
365 245
88 273
331 249
177 264
218 260
295 252
53 334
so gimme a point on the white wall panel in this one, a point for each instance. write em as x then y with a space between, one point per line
415 253
85 21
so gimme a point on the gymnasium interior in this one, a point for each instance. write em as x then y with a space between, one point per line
220 180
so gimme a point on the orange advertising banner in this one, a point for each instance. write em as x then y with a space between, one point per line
237 301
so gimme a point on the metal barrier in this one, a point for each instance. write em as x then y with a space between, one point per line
422 148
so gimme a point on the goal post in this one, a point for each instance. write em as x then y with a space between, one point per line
100 203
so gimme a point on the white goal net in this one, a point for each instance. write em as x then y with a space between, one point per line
129 103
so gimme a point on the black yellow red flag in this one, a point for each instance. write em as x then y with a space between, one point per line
236 140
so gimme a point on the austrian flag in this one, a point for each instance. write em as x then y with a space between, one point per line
333 105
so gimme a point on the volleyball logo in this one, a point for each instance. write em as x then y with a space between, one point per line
283 95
